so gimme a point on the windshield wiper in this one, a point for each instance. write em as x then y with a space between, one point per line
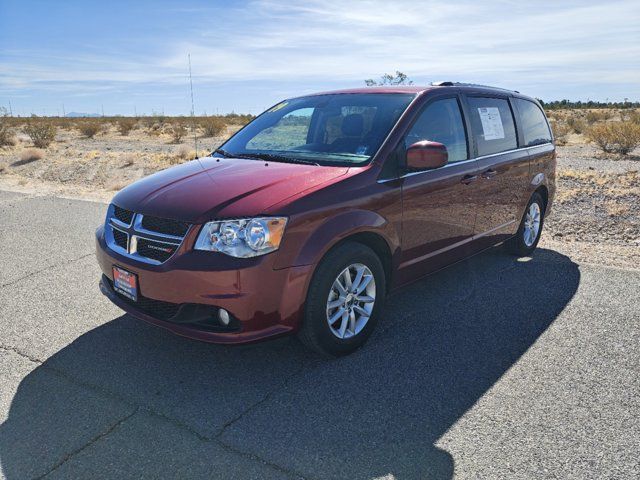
224 153
279 158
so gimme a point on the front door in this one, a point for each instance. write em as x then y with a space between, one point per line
439 206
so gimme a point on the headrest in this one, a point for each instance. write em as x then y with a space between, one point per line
352 125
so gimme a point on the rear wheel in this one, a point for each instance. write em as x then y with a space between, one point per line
345 297
528 235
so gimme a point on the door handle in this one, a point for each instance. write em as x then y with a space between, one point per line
489 173
467 179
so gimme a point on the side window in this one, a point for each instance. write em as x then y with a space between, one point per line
441 122
492 125
534 124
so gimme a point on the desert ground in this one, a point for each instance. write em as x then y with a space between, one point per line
595 217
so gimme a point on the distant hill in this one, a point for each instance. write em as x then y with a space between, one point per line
78 114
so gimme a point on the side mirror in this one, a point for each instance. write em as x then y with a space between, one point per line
426 155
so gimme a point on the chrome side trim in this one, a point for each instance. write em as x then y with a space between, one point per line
454 245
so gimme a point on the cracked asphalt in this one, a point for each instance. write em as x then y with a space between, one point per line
493 368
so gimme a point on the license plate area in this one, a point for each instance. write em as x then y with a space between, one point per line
125 283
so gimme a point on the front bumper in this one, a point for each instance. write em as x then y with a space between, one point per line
264 302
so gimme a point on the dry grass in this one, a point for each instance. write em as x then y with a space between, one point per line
41 132
31 155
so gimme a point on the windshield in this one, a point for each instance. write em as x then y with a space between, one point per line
340 129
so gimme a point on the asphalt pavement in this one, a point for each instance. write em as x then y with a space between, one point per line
494 368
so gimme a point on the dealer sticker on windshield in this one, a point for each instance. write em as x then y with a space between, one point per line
491 123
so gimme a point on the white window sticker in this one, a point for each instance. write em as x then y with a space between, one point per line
491 123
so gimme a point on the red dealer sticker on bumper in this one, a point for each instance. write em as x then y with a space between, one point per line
125 283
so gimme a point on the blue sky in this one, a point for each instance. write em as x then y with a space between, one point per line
130 56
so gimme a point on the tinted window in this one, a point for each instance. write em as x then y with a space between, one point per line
534 125
441 122
492 125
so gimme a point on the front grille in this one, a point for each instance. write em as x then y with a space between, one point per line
144 238
155 250
125 216
120 238
165 226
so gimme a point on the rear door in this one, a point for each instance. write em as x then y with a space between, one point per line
503 167
439 205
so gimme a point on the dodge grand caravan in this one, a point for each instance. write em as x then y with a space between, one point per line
305 219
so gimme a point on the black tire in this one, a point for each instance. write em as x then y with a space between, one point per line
315 332
517 245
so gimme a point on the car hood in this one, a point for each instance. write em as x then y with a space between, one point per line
209 188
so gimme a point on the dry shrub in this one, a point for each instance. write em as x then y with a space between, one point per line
615 209
593 116
615 137
31 155
560 132
576 124
125 125
41 132
6 135
631 116
116 185
88 128
213 126
177 132
184 153
128 159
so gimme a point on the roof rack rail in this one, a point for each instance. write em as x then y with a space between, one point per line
463 84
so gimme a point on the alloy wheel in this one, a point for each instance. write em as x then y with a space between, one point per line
532 224
351 301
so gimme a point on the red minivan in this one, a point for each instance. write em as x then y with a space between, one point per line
307 217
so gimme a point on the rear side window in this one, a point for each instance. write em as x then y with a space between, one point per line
534 124
492 125
441 122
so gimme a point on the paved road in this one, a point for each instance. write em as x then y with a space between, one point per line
494 368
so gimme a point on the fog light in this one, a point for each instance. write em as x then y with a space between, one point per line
223 317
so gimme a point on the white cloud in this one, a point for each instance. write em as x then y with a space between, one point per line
511 44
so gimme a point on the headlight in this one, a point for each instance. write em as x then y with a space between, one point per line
242 238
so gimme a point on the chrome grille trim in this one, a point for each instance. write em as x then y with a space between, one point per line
135 231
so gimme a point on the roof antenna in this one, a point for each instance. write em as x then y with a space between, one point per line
193 118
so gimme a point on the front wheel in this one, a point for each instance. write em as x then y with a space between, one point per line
345 297
528 235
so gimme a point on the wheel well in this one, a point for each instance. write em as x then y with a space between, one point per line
544 193
378 244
